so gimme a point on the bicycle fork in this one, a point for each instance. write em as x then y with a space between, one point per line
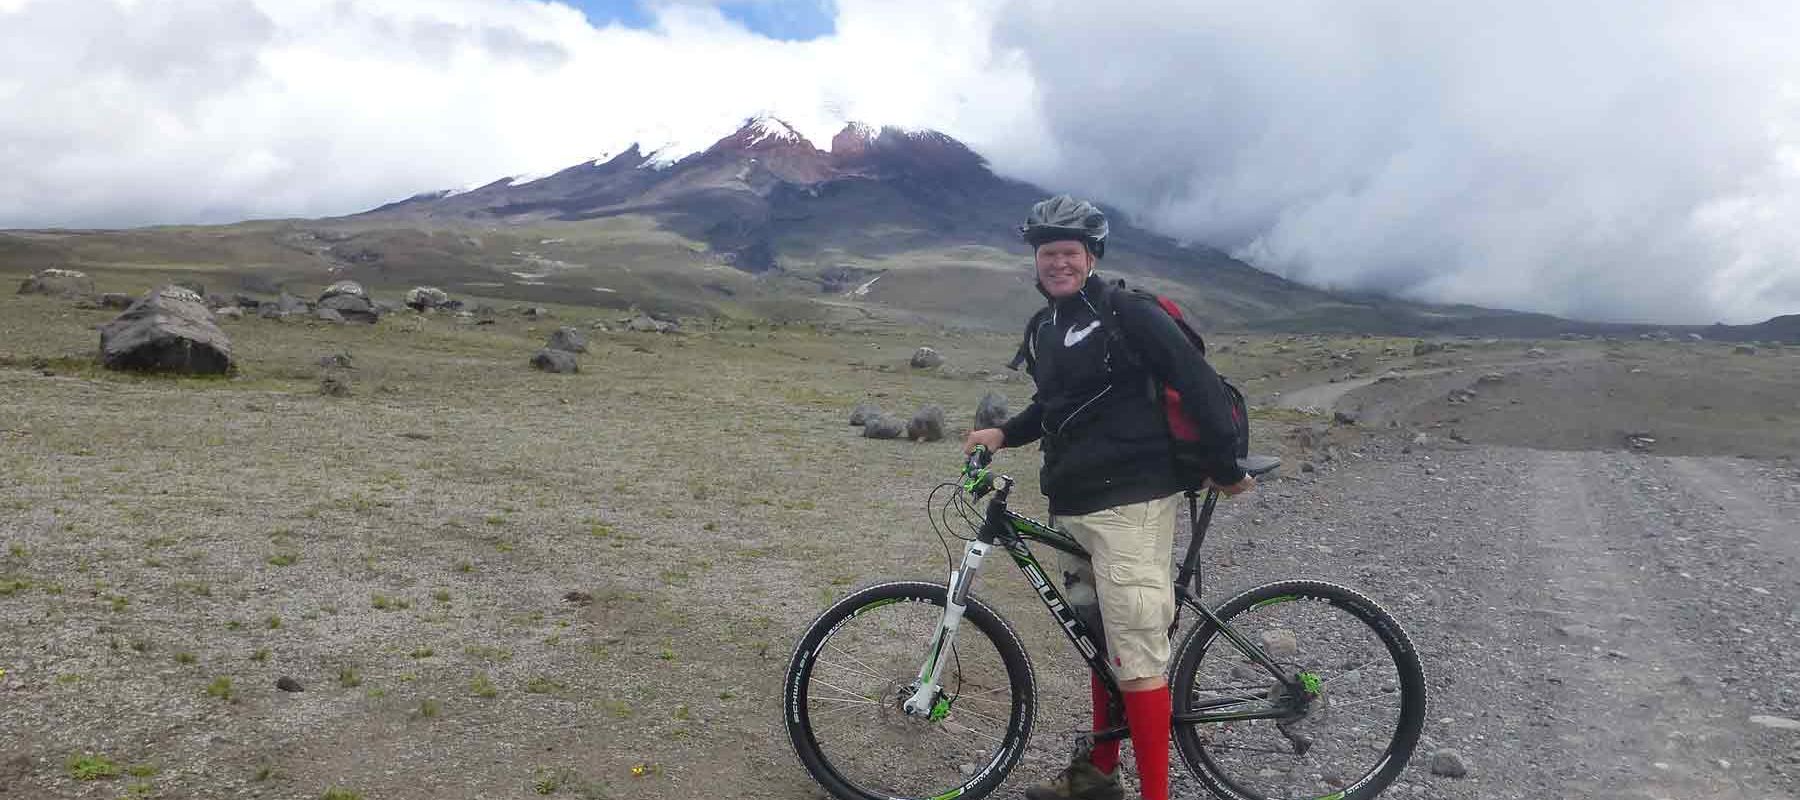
927 698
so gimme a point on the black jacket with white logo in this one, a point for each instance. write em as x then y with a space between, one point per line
1105 438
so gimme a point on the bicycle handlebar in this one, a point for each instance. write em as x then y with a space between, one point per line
976 478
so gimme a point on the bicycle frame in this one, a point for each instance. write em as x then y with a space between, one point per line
1012 531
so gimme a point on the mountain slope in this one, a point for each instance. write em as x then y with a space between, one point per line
887 223
916 211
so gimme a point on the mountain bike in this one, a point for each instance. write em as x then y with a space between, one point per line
920 690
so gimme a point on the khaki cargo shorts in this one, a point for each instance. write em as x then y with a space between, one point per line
1133 573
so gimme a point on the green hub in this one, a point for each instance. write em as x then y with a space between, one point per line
940 709
1311 682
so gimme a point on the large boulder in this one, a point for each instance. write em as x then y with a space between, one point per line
927 424
884 428
330 315
992 411
567 339
168 330
349 300
560 361
58 282
425 298
926 358
863 412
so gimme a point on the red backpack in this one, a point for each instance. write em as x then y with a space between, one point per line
1190 458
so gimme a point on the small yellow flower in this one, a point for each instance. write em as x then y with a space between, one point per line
639 770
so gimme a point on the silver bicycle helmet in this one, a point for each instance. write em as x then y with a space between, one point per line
1062 218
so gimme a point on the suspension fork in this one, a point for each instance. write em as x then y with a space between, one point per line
926 698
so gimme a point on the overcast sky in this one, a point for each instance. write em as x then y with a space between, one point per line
1628 159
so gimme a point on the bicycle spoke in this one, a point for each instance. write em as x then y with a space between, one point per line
866 669
857 695
987 736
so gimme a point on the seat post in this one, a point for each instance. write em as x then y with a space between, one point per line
1200 517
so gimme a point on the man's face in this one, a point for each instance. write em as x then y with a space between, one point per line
1062 267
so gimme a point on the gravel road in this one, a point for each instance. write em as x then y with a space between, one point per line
1593 624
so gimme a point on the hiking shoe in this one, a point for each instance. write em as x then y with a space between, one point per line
1081 780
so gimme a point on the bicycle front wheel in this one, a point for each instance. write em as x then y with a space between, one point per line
1348 707
859 661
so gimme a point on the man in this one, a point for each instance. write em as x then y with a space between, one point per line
1109 473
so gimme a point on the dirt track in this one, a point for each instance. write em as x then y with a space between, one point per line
1594 624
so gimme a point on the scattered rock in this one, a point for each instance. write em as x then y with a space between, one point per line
59 282
334 384
330 315
864 412
168 330
116 300
1578 631
1491 379
1280 643
991 411
425 298
285 306
1777 723
1344 417
229 312
1639 440
1458 397
287 683
926 358
927 424
643 323
557 361
1744 350
350 301
336 361
1422 348
567 339
578 597
1537 352
1389 377
1449 764
883 427
1695 337
537 312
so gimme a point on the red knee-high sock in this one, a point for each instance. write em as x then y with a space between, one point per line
1106 754
1147 713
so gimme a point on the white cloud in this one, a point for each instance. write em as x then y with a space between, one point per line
1605 159
214 110
1611 159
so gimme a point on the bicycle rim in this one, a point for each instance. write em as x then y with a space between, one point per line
861 661
1349 729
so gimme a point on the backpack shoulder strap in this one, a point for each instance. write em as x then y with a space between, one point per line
1106 309
1027 353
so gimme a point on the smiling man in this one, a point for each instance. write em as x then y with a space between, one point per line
1109 472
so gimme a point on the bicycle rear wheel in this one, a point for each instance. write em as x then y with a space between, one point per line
1345 734
859 661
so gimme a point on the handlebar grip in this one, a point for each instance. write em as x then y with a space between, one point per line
979 458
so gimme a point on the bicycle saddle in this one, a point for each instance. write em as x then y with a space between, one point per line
1257 466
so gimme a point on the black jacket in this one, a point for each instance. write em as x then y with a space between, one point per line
1105 439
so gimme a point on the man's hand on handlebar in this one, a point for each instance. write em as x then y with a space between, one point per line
991 438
